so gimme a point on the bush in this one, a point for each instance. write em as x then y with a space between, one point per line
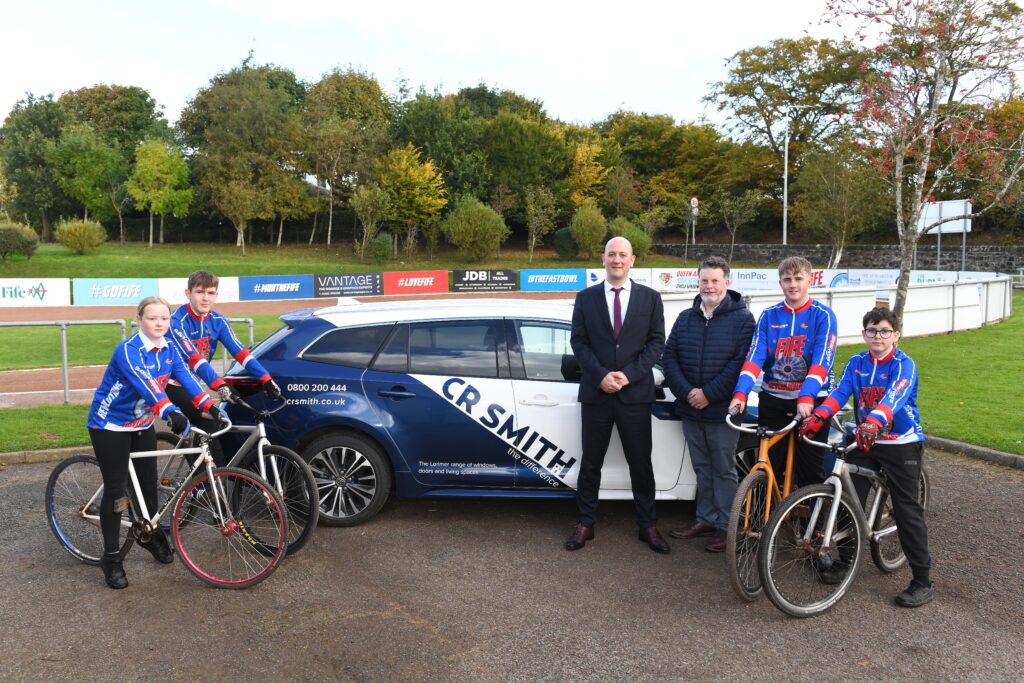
17 240
81 237
637 236
564 244
589 228
475 228
380 247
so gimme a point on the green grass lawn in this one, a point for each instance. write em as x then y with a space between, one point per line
135 259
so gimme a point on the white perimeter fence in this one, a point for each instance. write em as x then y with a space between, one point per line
932 308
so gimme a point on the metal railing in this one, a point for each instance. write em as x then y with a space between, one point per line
63 325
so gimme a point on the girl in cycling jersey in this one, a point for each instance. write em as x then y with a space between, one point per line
128 400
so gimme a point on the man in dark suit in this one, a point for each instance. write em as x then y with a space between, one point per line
618 331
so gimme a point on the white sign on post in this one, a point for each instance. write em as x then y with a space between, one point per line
936 211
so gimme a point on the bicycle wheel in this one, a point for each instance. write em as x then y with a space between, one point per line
73 494
887 552
746 522
237 528
793 560
172 471
290 476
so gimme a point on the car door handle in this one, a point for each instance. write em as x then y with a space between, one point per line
398 393
545 403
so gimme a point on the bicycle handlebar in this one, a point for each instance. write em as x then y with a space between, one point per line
261 411
755 430
830 446
224 420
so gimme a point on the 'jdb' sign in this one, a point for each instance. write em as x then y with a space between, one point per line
485 281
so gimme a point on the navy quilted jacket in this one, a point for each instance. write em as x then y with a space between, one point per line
707 354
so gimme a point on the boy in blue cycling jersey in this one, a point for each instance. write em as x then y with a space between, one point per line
791 353
883 384
196 329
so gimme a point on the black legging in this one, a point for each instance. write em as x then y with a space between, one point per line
112 450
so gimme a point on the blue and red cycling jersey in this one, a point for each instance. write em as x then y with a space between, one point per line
795 349
884 391
131 394
196 339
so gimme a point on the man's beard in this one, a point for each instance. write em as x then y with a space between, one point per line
711 300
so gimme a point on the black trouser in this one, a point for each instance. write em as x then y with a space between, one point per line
181 398
902 466
112 450
634 423
773 413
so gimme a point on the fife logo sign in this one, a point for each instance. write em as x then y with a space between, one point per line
31 294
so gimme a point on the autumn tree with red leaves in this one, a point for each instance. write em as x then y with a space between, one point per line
932 103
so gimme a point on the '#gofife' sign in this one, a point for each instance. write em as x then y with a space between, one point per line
18 292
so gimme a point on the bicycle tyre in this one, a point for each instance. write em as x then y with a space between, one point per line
791 571
744 534
172 471
229 555
297 488
887 553
72 484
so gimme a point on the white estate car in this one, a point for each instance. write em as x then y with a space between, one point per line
444 398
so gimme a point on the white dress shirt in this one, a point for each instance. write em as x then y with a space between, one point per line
609 296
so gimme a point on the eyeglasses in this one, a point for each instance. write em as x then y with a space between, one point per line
883 333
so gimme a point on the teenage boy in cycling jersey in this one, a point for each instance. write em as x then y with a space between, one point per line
794 347
883 382
195 331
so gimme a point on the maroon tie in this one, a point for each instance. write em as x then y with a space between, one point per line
617 313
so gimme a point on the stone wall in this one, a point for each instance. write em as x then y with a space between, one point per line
1005 259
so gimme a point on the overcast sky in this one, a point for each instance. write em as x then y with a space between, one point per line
583 60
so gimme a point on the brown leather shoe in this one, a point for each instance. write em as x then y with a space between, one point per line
653 539
580 537
717 542
692 531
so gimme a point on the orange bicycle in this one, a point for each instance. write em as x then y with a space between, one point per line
752 505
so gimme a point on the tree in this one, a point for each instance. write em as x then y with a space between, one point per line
927 107
622 191
415 189
244 133
94 172
122 116
734 211
587 175
474 228
589 228
345 116
160 182
838 195
290 196
541 209
29 134
807 79
372 206
8 193
523 152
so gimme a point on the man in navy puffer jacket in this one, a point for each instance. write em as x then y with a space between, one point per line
702 361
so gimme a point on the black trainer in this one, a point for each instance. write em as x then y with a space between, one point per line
158 546
919 592
834 573
113 570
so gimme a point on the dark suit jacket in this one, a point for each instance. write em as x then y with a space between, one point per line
635 351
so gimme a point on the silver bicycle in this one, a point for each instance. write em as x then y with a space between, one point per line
821 525
228 526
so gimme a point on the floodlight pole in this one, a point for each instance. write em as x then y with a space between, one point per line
785 180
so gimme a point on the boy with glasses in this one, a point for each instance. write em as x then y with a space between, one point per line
883 382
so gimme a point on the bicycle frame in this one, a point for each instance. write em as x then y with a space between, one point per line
839 480
766 439
142 517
